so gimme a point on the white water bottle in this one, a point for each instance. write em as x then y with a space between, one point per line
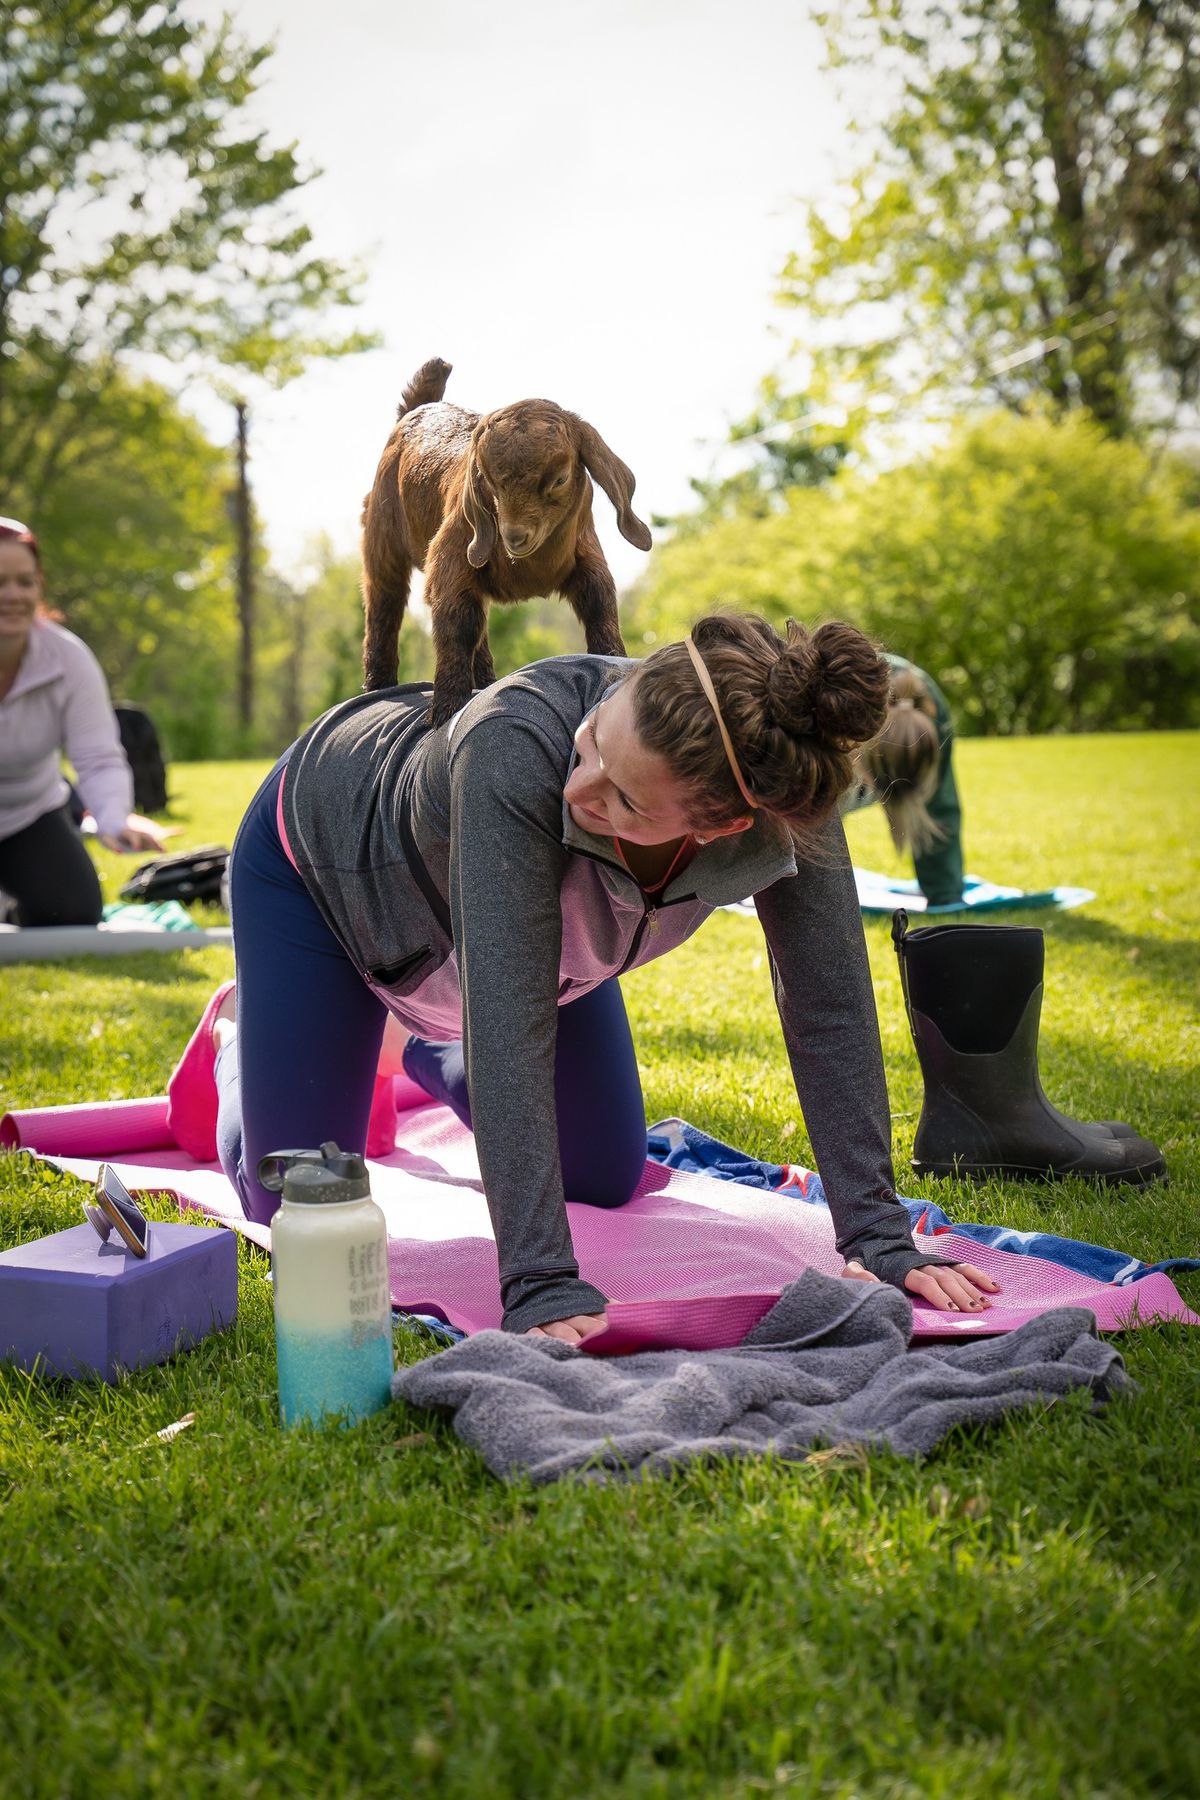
333 1314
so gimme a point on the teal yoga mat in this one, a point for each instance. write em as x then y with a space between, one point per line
883 894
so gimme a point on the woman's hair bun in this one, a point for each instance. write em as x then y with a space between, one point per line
792 708
828 684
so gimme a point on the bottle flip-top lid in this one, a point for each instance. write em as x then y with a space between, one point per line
316 1177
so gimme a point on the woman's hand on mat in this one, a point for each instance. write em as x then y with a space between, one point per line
572 1331
952 1287
138 834
854 1271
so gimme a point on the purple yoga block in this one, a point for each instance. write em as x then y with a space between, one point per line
87 1308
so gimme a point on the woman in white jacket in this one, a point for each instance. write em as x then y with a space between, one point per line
54 702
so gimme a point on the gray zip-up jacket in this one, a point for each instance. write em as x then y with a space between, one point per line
449 867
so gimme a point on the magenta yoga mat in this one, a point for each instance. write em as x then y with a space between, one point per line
690 1262
105 1128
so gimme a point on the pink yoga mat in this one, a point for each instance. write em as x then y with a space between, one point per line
690 1262
106 1128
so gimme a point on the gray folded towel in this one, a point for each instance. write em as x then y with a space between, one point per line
829 1364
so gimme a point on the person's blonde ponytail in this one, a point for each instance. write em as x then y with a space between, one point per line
901 763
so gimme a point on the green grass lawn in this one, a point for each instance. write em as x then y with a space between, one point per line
239 1612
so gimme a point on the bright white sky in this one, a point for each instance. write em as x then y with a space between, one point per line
583 199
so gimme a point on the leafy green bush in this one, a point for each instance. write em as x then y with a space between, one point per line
1047 575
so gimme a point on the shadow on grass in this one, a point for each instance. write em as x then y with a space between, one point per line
1151 958
1087 1079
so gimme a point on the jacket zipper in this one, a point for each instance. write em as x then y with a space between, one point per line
648 922
649 918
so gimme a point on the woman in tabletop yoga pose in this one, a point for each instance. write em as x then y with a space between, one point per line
485 882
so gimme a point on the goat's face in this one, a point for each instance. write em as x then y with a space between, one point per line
527 475
527 471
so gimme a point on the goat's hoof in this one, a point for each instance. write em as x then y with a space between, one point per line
442 710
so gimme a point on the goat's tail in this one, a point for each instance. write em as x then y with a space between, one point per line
429 383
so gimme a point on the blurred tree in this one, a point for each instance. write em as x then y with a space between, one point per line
1047 576
134 541
310 649
140 217
779 445
1026 220
530 631
134 217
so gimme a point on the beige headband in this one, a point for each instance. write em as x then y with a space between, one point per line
710 693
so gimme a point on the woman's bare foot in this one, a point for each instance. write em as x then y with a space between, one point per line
391 1051
192 1100
225 1023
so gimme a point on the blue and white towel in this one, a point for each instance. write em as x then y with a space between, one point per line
678 1145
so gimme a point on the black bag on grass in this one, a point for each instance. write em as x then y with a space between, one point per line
189 875
143 752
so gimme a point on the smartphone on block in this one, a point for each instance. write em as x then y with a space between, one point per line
113 1208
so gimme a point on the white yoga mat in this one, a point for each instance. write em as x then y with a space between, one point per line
48 943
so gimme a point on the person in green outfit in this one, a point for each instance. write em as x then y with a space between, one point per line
909 771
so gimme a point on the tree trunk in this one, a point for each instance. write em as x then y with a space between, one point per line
245 576
1098 362
293 721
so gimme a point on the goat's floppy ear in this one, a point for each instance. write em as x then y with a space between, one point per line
615 478
477 508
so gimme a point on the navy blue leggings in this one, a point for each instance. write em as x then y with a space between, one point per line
302 1068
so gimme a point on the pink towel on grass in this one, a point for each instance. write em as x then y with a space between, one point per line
690 1262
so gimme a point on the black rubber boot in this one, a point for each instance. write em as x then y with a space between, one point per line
973 994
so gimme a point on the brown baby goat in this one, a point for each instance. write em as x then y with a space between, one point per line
492 508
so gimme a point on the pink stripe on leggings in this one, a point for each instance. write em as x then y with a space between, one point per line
280 827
